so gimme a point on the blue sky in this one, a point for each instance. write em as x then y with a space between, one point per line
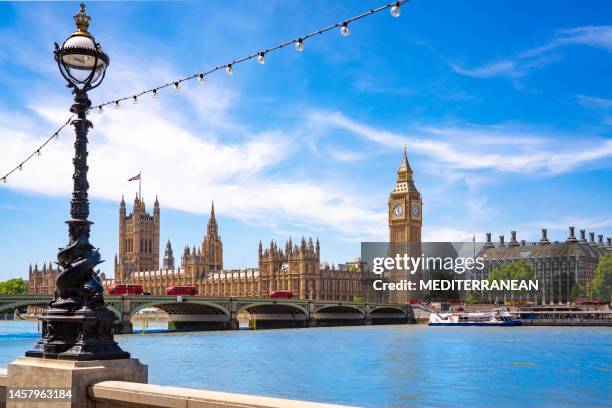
506 109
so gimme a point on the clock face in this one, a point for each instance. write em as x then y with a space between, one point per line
398 210
416 211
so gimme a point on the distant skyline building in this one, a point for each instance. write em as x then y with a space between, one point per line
558 266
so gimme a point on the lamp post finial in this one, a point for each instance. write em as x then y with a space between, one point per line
82 20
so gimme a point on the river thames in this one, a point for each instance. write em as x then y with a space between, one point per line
377 366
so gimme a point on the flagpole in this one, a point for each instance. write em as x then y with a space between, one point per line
140 184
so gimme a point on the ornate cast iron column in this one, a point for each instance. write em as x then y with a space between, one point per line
78 325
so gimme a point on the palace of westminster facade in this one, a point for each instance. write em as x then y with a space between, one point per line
296 266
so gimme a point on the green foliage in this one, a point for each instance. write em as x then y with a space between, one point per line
578 291
518 270
14 287
600 287
474 298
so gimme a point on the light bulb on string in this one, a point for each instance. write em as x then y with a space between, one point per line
344 30
395 10
176 86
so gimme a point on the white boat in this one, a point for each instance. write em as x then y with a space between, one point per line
498 317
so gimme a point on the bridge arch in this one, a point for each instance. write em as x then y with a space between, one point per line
189 314
116 312
36 302
170 303
20 303
274 315
338 307
252 306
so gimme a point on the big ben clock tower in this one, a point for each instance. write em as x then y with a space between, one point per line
405 207
405 222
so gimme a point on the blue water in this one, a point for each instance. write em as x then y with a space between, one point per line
378 366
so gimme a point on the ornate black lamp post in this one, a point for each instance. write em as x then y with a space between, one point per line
78 325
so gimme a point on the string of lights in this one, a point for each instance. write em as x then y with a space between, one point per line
260 56
37 152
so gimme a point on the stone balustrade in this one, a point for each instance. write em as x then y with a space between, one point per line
121 394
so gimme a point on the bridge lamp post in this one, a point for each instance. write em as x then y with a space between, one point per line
78 325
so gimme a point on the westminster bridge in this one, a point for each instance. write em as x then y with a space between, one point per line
221 313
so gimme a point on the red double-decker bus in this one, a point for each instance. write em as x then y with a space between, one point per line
182 290
286 294
125 289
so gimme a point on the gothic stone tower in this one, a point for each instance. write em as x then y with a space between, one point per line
297 269
168 257
208 257
405 222
138 240
212 247
405 207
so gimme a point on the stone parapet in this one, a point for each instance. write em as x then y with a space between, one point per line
3 385
27 373
120 394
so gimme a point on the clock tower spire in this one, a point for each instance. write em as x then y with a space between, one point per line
405 221
405 206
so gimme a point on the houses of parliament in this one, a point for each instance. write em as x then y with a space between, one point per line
295 265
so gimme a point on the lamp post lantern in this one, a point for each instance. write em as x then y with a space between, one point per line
78 325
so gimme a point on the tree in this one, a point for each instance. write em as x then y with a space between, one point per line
473 297
14 287
600 287
517 270
578 292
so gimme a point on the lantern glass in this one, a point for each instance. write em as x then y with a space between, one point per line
81 60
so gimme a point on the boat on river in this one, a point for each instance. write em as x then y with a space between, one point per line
497 317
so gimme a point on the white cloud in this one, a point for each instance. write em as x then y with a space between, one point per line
344 155
444 234
502 148
594 102
519 65
592 36
185 160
